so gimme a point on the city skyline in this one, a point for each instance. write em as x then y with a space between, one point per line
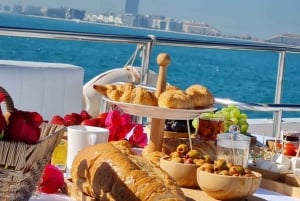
256 18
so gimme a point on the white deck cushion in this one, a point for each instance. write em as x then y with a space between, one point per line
47 88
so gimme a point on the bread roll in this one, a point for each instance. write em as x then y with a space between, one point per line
105 173
176 99
201 96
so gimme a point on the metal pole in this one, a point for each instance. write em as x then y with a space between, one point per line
277 115
146 60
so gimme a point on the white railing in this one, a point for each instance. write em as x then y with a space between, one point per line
147 42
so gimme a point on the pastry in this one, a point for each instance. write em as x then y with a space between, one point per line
127 93
194 97
201 96
176 99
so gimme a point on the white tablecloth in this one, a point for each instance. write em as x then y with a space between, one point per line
264 194
273 196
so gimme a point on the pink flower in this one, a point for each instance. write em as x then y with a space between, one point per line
121 127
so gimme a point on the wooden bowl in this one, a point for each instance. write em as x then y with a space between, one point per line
223 187
183 174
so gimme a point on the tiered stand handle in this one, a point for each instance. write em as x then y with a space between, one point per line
157 125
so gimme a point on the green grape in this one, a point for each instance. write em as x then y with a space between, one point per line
242 121
195 123
244 128
235 113
224 109
226 115
234 120
218 115
227 124
243 116
231 107
206 115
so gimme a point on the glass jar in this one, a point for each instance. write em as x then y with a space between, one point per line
234 148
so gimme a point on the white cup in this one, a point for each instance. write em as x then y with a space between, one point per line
81 136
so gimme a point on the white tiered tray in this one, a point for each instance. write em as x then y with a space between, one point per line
158 112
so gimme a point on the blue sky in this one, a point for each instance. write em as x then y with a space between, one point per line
258 18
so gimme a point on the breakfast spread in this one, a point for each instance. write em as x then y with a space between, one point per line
113 170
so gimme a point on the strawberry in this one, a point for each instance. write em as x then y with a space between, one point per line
91 122
77 117
71 120
57 119
102 118
85 115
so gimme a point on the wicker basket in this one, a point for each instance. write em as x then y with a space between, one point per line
21 164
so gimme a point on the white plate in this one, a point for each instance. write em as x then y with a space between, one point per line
158 112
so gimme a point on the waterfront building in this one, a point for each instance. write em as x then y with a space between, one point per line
199 28
132 6
286 38
34 10
17 9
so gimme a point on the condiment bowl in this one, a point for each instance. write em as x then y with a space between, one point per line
223 187
184 174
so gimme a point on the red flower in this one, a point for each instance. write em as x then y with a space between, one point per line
2 118
113 119
52 179
139 137
24 126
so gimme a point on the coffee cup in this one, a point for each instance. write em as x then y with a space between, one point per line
81 136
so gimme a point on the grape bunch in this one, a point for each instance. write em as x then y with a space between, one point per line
233 115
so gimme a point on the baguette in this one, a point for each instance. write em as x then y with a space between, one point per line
105 173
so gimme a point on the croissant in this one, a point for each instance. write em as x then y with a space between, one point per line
127 93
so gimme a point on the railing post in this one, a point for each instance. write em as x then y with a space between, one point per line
146 60
277 115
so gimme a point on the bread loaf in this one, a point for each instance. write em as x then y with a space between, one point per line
201 96
105 173
176 99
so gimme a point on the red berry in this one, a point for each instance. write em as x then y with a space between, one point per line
85 115
71 120
56 119
77 117
91 122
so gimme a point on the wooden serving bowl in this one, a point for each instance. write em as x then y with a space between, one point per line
223 187
183 174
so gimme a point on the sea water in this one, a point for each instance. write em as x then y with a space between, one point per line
247 76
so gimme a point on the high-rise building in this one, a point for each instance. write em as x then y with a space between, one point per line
132 6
